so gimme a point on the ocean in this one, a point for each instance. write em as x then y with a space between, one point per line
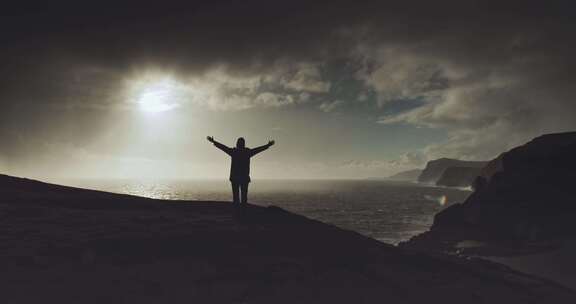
388 211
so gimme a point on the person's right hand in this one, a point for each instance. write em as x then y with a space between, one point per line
210 139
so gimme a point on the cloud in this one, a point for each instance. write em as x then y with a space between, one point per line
492 74
275 100
489 99
395 74
306 78
330 106
218 88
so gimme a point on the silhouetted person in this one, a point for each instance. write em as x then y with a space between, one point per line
240 168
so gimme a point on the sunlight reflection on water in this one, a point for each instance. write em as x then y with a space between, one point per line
387 211
150 189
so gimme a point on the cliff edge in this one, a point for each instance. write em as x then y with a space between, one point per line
458 176
72 245
523 204
435 168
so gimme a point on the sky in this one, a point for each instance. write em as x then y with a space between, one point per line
348 89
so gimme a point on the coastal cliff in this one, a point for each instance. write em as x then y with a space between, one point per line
69 245
435 168
458 176
525 193
523 204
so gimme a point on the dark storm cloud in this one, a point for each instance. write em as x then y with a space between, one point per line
45 46
475 67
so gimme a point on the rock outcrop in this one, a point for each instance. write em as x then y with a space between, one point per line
72 245
408 176
458 176
525 194
435 168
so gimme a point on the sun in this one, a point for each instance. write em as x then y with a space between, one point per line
159 96
154 92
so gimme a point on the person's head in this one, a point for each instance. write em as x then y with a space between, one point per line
240 143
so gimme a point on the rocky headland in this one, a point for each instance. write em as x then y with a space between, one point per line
522 209
434 170
458 176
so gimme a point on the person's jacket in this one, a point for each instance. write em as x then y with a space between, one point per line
240 168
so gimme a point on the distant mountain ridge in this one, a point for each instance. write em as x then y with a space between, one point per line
409 175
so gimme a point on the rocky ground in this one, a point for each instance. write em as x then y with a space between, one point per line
66 245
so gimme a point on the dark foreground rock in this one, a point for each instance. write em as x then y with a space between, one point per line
66 245
435 168
523 205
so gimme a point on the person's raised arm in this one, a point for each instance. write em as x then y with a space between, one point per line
261 148
220 146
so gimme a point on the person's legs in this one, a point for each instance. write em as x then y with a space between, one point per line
235 194
244 189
